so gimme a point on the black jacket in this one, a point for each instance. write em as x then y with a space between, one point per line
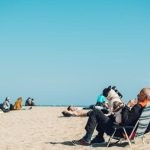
130 117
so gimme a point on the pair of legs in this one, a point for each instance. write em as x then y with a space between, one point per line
99 121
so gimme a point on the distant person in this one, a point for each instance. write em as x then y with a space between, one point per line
30 102
6 105
100 100
100 103
18 104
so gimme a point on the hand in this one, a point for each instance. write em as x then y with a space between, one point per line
132 102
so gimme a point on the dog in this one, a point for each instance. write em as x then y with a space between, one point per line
115 103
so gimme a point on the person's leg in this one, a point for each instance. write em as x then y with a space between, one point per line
96 117
103 127
99 138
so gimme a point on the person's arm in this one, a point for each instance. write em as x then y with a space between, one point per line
132 102
130 117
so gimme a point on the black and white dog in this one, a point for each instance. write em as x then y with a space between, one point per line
115 103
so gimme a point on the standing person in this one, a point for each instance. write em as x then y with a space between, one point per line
104 124
6 105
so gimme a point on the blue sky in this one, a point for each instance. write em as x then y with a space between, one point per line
68 51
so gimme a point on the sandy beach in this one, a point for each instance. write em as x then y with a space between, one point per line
44 128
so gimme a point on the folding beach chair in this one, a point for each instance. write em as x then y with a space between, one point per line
138 130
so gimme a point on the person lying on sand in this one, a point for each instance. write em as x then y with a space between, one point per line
114 105
75 111
83 111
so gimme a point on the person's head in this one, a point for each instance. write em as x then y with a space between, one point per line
144 95
70 108
7 98
20 98
28 100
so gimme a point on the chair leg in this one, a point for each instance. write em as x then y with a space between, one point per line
127 137
143 140
111 137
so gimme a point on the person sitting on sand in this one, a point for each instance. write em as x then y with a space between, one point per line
6 105
101 101
18 104
30 102
104 124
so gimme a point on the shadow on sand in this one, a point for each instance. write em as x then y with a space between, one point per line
69 143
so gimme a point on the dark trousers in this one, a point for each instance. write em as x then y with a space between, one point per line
102 123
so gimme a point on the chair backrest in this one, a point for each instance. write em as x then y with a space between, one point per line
143 121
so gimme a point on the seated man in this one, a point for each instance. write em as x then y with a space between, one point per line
104 124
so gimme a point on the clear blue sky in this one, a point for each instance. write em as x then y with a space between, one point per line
68 51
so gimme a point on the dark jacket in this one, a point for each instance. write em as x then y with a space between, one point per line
130 117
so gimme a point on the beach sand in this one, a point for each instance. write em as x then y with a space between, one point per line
44 128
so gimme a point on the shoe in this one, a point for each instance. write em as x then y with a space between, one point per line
81 142
98 140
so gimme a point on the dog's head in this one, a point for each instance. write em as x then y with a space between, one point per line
111 92
106 91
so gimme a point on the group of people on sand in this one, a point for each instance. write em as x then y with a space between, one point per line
6 106
112 111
